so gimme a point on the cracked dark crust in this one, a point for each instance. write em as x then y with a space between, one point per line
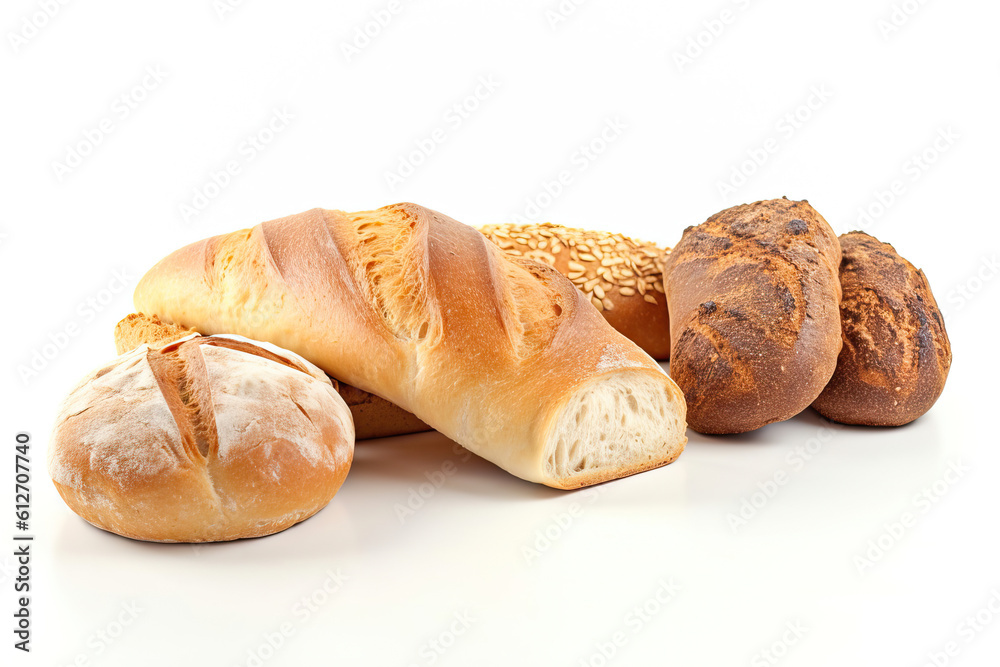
896 353
753 297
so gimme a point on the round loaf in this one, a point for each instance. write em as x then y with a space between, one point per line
896 352
620 276
754 307
203 439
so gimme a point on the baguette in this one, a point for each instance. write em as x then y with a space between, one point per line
896 353
374 417
502 354
622 277
754 314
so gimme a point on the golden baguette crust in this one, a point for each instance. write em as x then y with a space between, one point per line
374 417
896 353
621 276
408 304
754 307
203 439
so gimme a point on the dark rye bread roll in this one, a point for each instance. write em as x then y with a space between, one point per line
896 352
374 417
621 276
754 314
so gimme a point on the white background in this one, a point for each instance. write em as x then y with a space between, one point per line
866 98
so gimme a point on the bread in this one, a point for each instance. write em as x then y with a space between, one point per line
622 277
137 329
754 314
203 439
374 417
896 352
502 354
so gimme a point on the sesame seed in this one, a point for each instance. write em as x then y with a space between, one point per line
599 262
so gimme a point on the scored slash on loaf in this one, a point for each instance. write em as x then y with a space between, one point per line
502 354
374 417
622 277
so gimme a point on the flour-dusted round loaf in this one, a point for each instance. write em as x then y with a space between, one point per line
754 314
896 353
204 439
622 277
374 417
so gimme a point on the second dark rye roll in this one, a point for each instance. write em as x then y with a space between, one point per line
896 352
754 301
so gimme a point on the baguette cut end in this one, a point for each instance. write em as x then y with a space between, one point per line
619 425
